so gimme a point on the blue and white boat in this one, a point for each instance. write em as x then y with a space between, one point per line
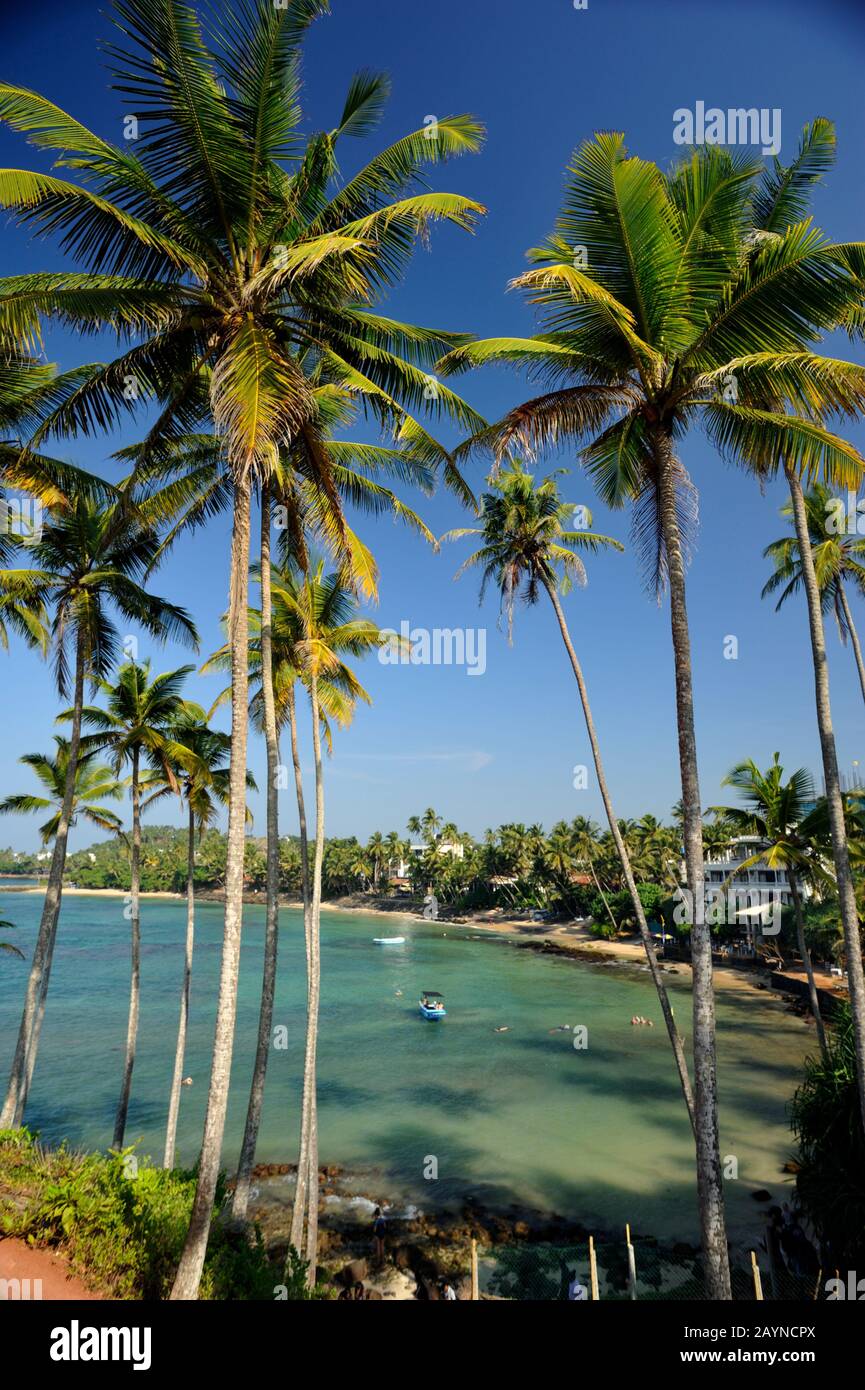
388 940
432 1004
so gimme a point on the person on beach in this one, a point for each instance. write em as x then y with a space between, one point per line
379 1230
449 1293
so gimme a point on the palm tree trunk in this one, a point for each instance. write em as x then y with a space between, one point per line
854 636
240 1204
180 1049
195 1249
710 1189
648 944
29 1031
309 1079
299 1210
840 852
806 960
603 894
135 978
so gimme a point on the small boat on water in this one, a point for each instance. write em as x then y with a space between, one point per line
388 940
432 1004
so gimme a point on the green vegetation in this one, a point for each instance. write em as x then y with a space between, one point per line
830 1181
120 1222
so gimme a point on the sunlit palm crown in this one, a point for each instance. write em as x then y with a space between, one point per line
528 538
838 556
671 299
93 783
220 243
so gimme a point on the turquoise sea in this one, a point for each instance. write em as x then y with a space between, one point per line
522 1116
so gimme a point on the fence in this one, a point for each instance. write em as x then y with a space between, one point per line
625 1270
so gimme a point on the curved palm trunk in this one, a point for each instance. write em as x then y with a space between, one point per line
663 997
710 1189
240 1203
180 1049
602 893
30 1028
195 1249
309 1077
135 977
806 960
840 852
854 636
299 1210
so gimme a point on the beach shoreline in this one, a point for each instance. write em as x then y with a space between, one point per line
570 940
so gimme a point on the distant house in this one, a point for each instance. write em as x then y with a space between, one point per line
457 851
756 890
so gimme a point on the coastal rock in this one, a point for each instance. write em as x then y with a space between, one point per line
357 1271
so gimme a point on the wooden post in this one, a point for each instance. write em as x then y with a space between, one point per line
593 1271
475 1295
632 1264
758 1283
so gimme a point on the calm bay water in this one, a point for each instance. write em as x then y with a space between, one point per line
516 1117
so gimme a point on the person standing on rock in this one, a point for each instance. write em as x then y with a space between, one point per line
379 1230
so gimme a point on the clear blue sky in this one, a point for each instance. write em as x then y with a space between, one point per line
542 77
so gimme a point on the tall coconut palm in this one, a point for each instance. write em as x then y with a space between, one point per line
528 547
94 784
202 778
839 560
338 691
135 724
670 300
794 838
325 607
227 244
89 559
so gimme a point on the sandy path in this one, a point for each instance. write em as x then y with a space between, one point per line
20 1261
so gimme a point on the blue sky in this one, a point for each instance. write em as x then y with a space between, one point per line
542 77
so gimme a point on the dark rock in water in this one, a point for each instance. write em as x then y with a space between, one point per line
374 1296
761 1195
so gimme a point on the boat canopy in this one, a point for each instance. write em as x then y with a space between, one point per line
432 994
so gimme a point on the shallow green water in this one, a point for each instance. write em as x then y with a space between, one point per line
599 1135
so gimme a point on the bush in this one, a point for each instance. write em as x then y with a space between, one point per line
830 1182
124 1222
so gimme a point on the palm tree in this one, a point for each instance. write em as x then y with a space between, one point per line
775 810
227 244
671 300
376 848
203 780
7 946
135 724
838 560
529 547
325 608
91 556
338 691
94 782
